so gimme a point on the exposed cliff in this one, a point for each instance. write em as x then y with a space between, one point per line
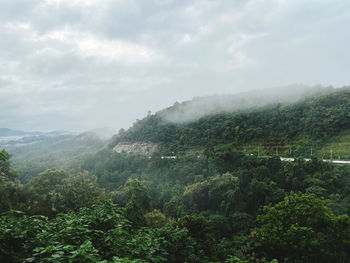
143 148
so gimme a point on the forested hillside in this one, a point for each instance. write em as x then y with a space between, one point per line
216 191
35 154
291 128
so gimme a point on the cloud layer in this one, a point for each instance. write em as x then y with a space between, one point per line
82 64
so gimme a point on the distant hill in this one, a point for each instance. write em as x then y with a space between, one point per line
34 154
318 121
5 132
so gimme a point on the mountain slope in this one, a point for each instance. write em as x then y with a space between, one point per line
283 128
34 154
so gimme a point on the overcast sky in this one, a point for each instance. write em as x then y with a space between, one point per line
83 64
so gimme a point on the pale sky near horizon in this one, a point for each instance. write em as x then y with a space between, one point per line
84 64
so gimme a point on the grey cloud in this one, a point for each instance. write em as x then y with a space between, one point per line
17 10
84 64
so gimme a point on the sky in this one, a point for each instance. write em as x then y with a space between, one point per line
85 64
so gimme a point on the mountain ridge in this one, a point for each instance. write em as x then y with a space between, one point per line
310 122
6 132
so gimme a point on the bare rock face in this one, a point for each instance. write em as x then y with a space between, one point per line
143 148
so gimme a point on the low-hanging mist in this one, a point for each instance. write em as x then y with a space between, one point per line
202 106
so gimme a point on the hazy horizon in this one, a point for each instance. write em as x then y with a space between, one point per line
79 65
199 106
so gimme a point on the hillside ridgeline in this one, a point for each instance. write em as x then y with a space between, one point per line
319 122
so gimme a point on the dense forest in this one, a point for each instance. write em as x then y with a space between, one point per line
223 196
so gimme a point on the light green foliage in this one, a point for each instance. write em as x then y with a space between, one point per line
155 218
55 191
68 238
81 191
98 234
45 192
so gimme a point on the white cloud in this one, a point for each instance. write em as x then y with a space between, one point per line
91 45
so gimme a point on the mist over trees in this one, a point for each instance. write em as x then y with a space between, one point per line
207 194
198 107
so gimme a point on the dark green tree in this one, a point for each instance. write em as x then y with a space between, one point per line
11 193
302 229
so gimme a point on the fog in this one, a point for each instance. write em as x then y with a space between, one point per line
80 65
201 106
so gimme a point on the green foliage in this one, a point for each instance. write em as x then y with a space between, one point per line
67 238
81 191
113 169
230 201
3 156
6 171
135 197
11 195
55 191
199 229
155 219
98 234
302 229
45 192
218 193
